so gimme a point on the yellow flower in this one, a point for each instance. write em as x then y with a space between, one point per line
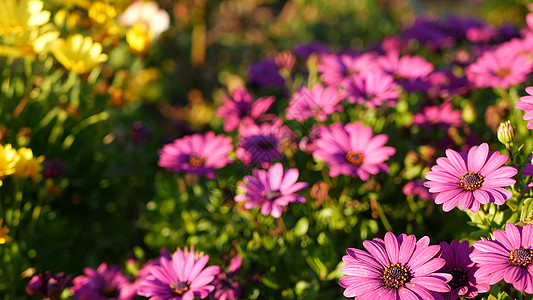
28 165
139 39
8 160
16 16
102 13
4 238
30 42
79 54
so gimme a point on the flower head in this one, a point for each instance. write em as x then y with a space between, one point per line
241 106
106 282
198 154
265 74
352 150
8 161
438 116
395 268
411 72
373 89
509 256
335 68
417 188
271 189
526 104
226 286
48 286
460 266
17 16
4 238
79 54
183 277
147 14
317 102
28 166
470 179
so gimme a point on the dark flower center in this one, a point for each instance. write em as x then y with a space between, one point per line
395 276
265 145
502 72
355 158
196 160
458 280
471 181
109 291
271 195
179 288
521 257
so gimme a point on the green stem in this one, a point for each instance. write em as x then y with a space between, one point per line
382 216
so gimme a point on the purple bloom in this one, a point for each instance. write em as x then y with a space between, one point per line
461 267
241 105
335 68
318 102
266 74
445 84
352 150
509 257
417 188
305 50
198 154
181 278
373 89
438 116
395 268
526 104
430 33
262 143
470 179
272 189
48 286
411 72
226 286
106 282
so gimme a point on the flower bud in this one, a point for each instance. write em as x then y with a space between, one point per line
506 133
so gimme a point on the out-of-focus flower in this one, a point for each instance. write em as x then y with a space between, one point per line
508 256
352 150
417 188
265 74
320 192
262 143
319 102
18 16
182 277
272 189
443 116
526 104
460 266
305 50
411 72
470 179
8 160
102 13
106 282
226 285
241 106
372 89
285 60
139 39
335 68
48 286
506 133
28 166
431 33
4 238
395 268
53 168
79 54
155 20
197 154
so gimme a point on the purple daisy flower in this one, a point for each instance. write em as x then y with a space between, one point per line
181 278
395 268
241 105
411 72
106 282
352 150
197 154
48 286
272 189
226 286
373 89
318 102
443 116
335 68
265 74
509 257
262 143
461 267
526 104
470 179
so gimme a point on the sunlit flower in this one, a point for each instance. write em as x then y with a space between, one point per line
526 104
438 116
372 89
335 68
106 282
470 179
139 39
148 14
411 72
102 13
8 160
183 277
272 189
28 166
319 102
30 42
240 106
16 16
4 238
48 286
79 54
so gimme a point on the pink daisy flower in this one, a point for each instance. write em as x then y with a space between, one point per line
352 150
417 188
183 277
197 154
318 102
411 72
241 105
470 179
509 257
438 116
526 104
335 68
272 189
373 89
106 282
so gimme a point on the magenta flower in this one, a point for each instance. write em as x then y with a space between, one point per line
352 150
395 268
241 105
373 89
411 72
443 116
272 189
183 277
509 257
417 188
461 267
318 102
470 179
197 154
48 286
106 282
226 286
499 69
526 104
335 68
262 143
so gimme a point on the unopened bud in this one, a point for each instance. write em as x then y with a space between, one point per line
506 133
